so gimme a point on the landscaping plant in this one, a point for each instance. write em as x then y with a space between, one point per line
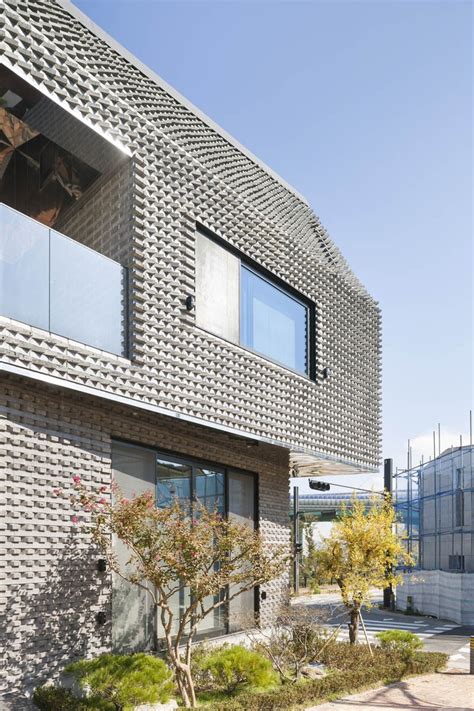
362 552
401 641
293 641
175 550
234 667
125 680
53 698
348 677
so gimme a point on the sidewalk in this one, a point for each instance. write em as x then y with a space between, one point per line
451 690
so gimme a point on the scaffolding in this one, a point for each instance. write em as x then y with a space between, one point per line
435 507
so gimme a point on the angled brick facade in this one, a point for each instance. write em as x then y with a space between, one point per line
185 171
166 169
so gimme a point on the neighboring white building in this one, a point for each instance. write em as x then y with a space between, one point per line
435 502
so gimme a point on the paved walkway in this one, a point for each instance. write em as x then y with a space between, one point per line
452 690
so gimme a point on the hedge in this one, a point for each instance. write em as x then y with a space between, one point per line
337 682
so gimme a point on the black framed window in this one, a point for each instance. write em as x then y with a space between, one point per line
242 302
272 322
231 491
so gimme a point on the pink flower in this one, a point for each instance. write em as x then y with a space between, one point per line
76 479
74 519
102 501
103 489
56 492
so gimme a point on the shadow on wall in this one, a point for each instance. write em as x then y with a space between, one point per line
44 625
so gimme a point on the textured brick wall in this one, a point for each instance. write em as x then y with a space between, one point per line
184 171
102 218
74 136
50 590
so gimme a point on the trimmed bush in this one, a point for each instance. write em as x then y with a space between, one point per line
124 680
401 641
234 667
340 683
52 698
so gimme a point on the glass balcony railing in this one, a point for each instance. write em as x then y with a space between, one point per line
50 281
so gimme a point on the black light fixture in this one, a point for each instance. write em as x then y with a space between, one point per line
326 373
190 302
101 618
101 565
263 595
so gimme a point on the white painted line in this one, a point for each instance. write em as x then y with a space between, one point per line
456 656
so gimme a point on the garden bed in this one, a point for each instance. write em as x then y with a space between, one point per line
350 668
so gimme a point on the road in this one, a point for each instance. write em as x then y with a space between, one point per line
437 635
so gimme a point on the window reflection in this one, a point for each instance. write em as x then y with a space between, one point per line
173 481
272 322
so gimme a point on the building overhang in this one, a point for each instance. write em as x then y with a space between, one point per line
303 462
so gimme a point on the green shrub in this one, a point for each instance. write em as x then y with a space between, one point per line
401 641
52 698
234 667
339 683
124 680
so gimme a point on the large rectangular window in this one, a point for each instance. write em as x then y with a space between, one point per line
244 305
229 491
272 322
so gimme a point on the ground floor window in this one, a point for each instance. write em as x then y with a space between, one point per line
231 491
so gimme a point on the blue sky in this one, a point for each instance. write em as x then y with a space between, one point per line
366 109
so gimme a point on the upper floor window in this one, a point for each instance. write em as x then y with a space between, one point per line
272 322
242 304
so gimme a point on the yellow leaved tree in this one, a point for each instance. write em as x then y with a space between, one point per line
362 552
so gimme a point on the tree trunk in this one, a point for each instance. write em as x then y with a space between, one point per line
354 626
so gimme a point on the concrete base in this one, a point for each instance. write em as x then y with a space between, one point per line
449 596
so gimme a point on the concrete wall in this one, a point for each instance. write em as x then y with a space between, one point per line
50 590
449 596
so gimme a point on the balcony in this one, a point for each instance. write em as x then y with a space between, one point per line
54 283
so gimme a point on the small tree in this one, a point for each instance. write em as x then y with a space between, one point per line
362 552
292 642
180 548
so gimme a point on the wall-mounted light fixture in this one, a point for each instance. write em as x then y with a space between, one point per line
101 618
263 595
326 373
190 302
101 565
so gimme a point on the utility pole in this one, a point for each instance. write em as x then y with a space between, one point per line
387 485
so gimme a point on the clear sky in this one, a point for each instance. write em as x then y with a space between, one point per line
365 107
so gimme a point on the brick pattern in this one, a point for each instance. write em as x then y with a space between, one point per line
102 218
59 126
183 171
50 591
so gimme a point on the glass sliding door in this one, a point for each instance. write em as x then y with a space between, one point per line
132 610
241 493
174 481
229 492
209 490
